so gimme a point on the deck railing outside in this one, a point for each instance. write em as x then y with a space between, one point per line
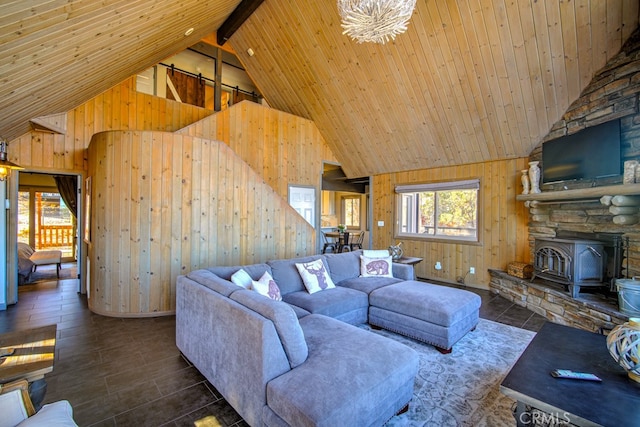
54 236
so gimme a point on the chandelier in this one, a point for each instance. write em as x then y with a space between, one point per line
376 21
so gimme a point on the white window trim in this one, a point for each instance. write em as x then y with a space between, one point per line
471 184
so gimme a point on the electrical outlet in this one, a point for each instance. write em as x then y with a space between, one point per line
438 266
472 270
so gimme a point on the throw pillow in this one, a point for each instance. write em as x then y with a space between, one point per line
375 253
267 286
242 278
375 267
314 276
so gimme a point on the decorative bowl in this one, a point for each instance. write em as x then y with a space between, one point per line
623 343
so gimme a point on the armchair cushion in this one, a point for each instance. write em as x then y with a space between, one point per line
12 408
57 414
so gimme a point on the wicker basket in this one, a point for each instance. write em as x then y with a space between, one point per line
520 269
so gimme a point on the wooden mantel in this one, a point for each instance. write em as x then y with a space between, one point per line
582 193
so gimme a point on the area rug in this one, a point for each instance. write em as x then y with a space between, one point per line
463 388
47 273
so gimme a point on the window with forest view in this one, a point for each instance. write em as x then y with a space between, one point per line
351 212
446 210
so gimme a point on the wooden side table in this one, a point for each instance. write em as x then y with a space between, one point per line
31 357
412 261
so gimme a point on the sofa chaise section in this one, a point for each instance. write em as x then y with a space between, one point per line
352 377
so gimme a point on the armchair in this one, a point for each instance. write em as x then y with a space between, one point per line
17 410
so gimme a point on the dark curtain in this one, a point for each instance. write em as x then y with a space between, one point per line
68 189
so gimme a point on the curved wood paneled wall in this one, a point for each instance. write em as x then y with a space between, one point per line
119 108
503 222
164 204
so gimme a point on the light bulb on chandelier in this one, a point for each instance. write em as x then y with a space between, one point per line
376 21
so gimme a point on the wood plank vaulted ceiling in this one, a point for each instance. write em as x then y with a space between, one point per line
470 81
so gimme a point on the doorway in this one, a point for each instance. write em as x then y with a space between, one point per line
345 201
47 206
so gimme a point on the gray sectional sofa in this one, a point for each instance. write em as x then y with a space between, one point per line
302 361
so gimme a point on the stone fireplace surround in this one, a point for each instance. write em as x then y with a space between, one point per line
576 207
593 310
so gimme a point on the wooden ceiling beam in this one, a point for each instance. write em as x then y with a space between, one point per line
212 40
236 19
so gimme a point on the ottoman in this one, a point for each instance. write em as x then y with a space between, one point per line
437 315
46 258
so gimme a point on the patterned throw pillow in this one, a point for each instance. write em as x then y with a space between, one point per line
267 286
242 278
314 276
375 267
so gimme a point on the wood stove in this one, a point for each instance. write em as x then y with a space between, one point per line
572 262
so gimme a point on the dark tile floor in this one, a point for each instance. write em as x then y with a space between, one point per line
128 372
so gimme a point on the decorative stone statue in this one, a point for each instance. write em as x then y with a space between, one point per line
396 251
534 177
525 181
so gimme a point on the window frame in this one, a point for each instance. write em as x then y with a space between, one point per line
402 190
343 211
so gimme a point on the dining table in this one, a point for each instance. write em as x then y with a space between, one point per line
339 239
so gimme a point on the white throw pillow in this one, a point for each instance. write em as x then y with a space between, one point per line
314 276
375 267
375 253
267 286
242 278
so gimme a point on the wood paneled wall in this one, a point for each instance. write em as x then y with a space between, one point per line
283 148
119 108
165 204
503 221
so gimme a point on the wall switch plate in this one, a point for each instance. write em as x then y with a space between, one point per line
380 223
472 270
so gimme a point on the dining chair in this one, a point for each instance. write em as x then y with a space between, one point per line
357 242
344 242
327 244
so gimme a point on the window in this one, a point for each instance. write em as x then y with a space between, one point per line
351 212
447 210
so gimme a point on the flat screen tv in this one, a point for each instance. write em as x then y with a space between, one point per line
592 153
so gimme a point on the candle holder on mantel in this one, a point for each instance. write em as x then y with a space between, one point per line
534 177
525 181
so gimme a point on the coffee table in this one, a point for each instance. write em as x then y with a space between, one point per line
613 402
32 357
